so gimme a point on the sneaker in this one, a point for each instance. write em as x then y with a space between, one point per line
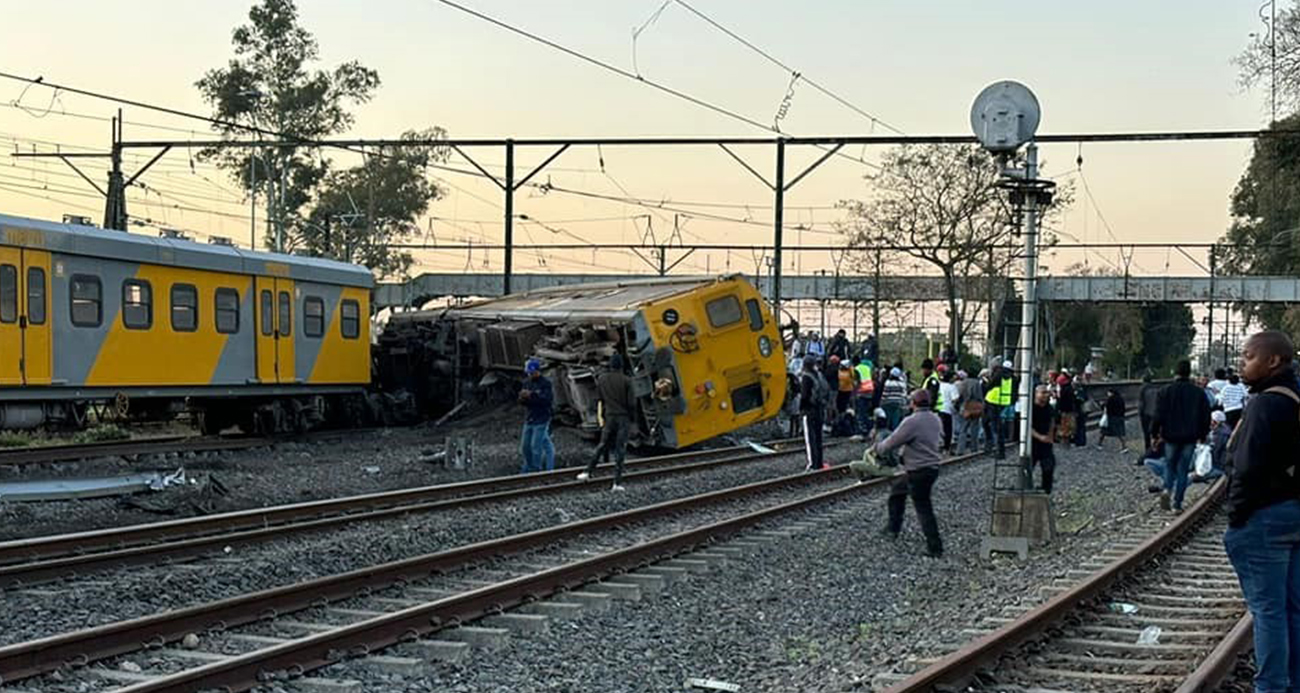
933 553
1164 500
616 487
1099 447
1155 488
1178 511
583 476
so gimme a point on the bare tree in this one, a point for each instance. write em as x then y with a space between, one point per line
938 205
1273 58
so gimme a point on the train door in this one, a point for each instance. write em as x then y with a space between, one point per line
284 330
264 309
34 317
11 334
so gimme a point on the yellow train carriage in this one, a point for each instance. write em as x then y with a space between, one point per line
92 315
705 355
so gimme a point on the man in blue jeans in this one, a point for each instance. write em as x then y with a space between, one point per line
538 397
1263 504
1182 419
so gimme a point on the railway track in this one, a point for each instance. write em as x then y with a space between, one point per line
421 605
1163 614
26 562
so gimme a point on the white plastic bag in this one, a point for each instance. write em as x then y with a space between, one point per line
1202 460
1103 423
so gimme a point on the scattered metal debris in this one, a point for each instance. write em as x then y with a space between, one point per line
98 487
760 448
712 684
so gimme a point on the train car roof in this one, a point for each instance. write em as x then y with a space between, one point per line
92 241
600 299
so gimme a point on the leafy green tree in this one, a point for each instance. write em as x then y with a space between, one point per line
1264 237
363 210
272 84
1258 68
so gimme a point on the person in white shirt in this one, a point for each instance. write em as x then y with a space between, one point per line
1220 381
949 395
1233 399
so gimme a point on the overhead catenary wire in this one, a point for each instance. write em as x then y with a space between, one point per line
801 76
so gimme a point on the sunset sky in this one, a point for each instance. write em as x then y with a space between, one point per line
1097 66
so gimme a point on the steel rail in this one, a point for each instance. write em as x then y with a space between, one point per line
28 659
1218 665
248 527
68 452
247 671
955 670
118 537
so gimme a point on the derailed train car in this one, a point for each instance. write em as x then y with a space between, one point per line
705 356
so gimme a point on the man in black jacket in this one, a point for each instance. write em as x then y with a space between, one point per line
1263 537
813 396
1182 419
1148 401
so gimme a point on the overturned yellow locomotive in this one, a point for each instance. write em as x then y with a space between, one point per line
704 355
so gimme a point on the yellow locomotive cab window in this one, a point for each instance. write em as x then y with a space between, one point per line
87 300
226 303
755 315
8 293
350 319
313 316
724 311
36 295
185 308
137 304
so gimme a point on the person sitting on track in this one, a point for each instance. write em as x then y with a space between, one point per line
920 436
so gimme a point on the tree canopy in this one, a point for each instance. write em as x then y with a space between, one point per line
272 84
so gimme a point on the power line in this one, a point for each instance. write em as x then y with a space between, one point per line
624 73
798 74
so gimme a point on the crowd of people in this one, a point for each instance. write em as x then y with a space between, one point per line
1241 425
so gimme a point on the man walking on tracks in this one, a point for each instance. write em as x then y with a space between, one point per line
1263 503
1182 419
814 393
614 410
920 436
539 397
1042 432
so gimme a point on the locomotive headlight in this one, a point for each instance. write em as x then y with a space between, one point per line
765 345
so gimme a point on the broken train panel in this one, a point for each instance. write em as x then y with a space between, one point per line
704 355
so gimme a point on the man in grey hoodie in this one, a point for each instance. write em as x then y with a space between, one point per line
921 437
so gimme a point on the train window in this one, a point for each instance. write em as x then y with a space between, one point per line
8 293
723 311
755 315
87 300
747 398
227 311
185 308
36 295
350 319
137 304
313 317
268 313
285 319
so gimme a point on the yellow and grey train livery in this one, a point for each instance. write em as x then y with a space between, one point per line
704 355
152 325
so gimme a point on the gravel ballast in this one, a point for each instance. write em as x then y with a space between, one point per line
349 463
825 611
140 591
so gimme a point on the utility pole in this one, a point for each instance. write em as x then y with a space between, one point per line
1209 352
115 204
509 188
778 214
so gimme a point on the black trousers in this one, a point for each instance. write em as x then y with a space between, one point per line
613 442
946 418
1146 431
917 484
994 430
1048 466
812 437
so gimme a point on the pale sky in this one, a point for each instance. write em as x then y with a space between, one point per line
1097 66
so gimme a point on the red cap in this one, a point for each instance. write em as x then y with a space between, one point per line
942 368
1062 380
